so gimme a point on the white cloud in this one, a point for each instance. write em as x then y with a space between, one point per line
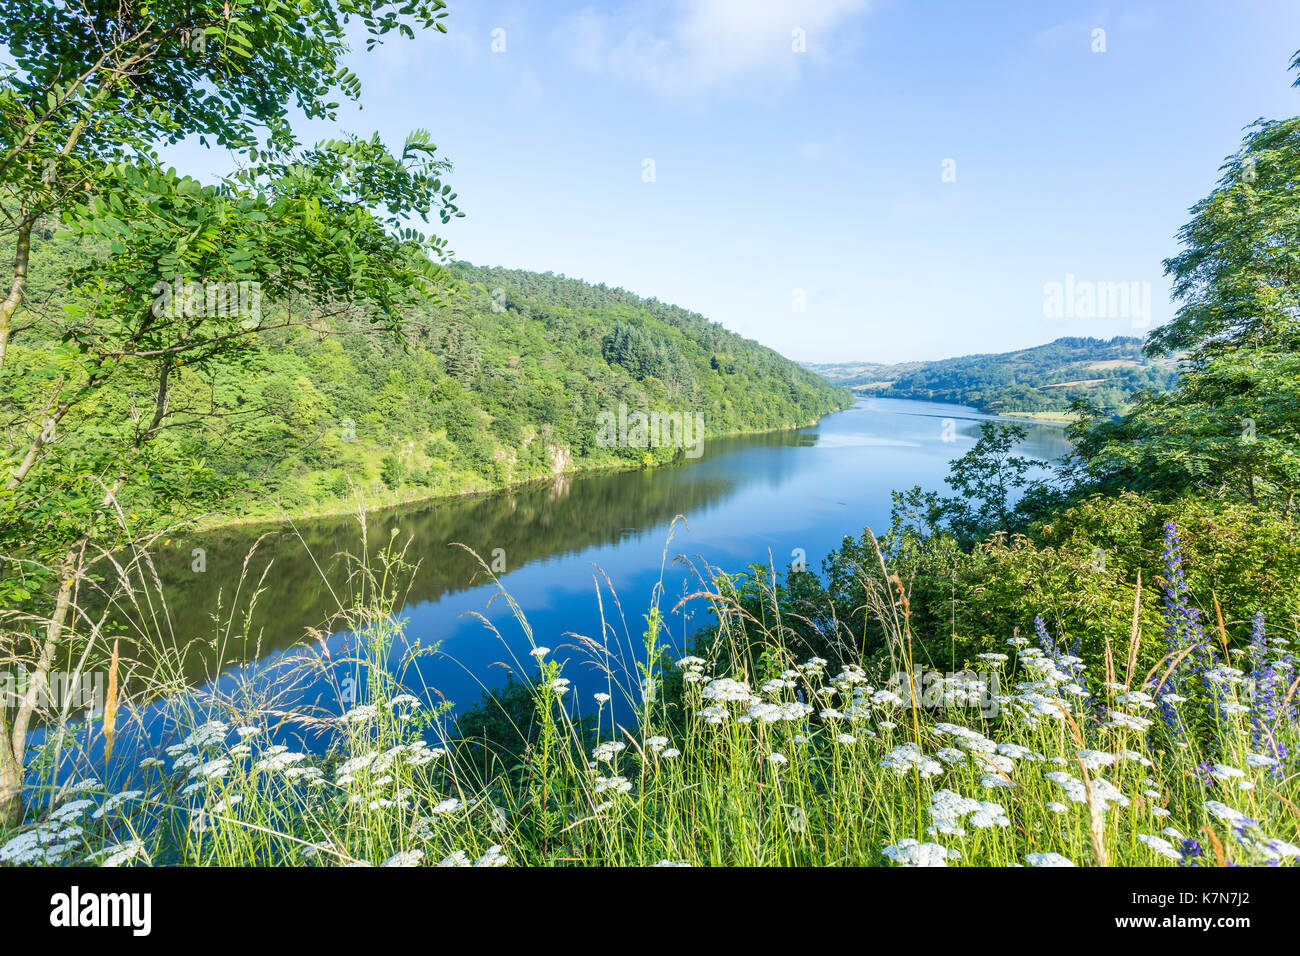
811 149
692 45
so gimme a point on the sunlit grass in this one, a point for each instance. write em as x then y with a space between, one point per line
738 754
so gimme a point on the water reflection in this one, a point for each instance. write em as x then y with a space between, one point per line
748 499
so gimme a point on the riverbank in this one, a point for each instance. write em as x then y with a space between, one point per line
1043 418
375 500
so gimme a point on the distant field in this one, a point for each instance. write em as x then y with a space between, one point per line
1064 418
1030 382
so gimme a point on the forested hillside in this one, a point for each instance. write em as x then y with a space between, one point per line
501 382
1106 372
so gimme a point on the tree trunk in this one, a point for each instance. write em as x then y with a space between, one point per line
10 305
13 744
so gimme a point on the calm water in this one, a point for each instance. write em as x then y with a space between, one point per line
750 499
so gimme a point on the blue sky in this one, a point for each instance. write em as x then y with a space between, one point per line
780 174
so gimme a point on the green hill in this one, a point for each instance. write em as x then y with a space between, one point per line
1045 378
508 381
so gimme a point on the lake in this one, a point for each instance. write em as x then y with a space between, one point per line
568 550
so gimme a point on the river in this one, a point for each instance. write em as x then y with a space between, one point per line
566 552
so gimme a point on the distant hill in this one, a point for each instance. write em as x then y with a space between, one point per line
1045 378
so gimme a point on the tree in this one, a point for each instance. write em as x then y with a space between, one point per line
985 479
106 81
181 275
1233 423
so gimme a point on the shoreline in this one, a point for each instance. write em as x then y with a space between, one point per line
203 526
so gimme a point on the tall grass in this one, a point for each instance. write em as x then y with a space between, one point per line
737 754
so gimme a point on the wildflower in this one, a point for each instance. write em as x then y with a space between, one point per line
539 652
115 801
1127 722
617 784
714 714
405 858
1160 845
903 759
1182 629
773 713
1094 759
1225 812
42 845
601 698
281 759
560 686
1017 752
212 769
950 755
1268 678
1135 756
450 805
948 810
998 762
992 781
1057 807
608 750
726 689
1136 698
185 761
119 853
777 759
846 739
1047 859
910 852
493 857
360 714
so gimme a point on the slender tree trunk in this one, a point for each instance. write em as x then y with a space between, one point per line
13 744
10 305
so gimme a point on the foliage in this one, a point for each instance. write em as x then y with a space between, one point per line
1046 378
1233 426
771 760
172 272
